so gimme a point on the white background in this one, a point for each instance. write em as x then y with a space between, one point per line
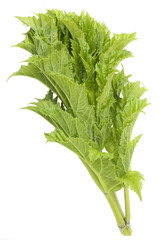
45 191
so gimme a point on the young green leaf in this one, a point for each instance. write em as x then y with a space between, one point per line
134 180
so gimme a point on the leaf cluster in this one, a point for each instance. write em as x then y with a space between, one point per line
91 104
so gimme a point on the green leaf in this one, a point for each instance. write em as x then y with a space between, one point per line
76 145
132 109
57 78
57 61
104 101
112 56
27 44
42 37
134 180
62 119
119 81
94 155
133 90
120 41
73 28
33 71
101 135
105 169
125 151
76 96
38 24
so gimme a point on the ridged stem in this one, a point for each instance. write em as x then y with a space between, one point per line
124 227
127 204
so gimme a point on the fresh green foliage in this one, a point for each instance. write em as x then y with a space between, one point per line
92 105
133 179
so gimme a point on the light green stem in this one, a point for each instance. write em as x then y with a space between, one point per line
127 204
118 203
115 208
125 229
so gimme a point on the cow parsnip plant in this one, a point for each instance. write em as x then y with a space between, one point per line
92 105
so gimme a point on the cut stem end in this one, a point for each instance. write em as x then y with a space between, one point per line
126 230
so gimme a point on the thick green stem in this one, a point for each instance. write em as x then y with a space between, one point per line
125 229
127 204
118 203
115 208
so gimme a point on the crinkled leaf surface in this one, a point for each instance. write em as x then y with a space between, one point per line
92 105
134 180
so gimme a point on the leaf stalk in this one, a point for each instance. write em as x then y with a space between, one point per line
123 225
127 204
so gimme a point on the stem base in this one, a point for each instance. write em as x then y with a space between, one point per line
126 230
